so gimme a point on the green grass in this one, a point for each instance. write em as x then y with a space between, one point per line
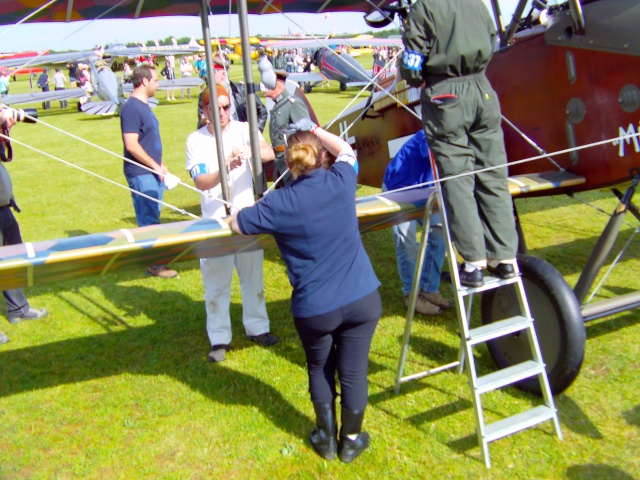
115 382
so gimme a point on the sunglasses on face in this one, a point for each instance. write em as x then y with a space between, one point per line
225 107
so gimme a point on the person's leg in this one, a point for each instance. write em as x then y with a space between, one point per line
316 335
447 120
254 308
404 240
17 303
147 209
353 343
216 278
434 257
492 191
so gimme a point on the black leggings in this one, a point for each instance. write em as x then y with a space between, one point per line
340 340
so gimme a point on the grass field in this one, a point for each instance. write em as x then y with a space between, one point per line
114 383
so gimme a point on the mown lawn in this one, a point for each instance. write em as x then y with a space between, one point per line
114 383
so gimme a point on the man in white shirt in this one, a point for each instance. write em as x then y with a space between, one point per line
217 272
59 81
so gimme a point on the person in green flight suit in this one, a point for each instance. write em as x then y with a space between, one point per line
448 45
287 110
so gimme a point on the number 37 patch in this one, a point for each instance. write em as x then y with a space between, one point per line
412 60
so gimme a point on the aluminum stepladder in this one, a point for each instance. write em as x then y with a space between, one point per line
522 324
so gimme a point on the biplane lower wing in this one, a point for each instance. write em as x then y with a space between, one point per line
29 264
307 77
543 182
177 83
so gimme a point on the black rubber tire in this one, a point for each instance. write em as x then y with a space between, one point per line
557 319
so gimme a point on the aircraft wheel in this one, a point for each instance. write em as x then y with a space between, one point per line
343 87
557 319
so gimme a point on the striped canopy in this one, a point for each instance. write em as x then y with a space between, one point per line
14 11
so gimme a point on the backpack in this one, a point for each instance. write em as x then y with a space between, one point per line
43 80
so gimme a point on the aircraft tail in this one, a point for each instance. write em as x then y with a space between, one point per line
100 108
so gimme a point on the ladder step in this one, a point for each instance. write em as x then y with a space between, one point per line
508 376
498 329
490 283
515 423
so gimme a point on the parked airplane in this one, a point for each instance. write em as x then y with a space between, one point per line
333 60
107 96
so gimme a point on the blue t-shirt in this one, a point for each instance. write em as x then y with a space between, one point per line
315 225
137 117
411 165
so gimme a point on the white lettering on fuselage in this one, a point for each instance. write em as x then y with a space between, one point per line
621 142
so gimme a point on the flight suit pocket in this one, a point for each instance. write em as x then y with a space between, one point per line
442 115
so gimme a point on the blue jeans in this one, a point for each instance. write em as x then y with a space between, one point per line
147 211
407 249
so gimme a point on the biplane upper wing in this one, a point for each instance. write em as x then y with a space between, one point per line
31 264
51 95
15 11
313 43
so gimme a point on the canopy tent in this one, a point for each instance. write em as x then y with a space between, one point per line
14 11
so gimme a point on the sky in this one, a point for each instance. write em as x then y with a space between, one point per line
85 35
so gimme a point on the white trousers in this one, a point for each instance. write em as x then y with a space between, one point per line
216 277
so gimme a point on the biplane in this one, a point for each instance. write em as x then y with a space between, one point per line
107 90
333 59
567 78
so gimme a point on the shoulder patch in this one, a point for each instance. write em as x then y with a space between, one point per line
412 60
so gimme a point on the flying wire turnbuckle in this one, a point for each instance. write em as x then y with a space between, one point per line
522 324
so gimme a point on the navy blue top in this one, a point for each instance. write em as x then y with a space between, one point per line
137 117
411 165
314 223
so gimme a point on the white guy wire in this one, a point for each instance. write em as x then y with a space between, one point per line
180 210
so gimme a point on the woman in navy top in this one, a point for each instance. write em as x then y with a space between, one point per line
335 301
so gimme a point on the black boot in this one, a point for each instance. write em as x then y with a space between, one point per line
323 437
353 441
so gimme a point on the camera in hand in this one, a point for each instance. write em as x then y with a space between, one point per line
20 115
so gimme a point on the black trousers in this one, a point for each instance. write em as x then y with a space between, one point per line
339 341
17 304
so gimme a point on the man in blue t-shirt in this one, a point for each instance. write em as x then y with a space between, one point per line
143 148
411 166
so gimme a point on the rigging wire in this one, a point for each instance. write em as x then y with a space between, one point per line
177 209
517 162
87 142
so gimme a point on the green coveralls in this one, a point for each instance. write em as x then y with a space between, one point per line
286 111
448 44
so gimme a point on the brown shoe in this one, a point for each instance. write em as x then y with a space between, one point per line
423 306
161 271
437 300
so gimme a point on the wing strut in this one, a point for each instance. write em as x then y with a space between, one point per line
252 110
222 167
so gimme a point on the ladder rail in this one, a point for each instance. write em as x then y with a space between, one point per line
472 337
415 288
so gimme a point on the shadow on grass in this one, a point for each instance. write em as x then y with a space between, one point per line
164 348
574 418
632 416
609 325
597 471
